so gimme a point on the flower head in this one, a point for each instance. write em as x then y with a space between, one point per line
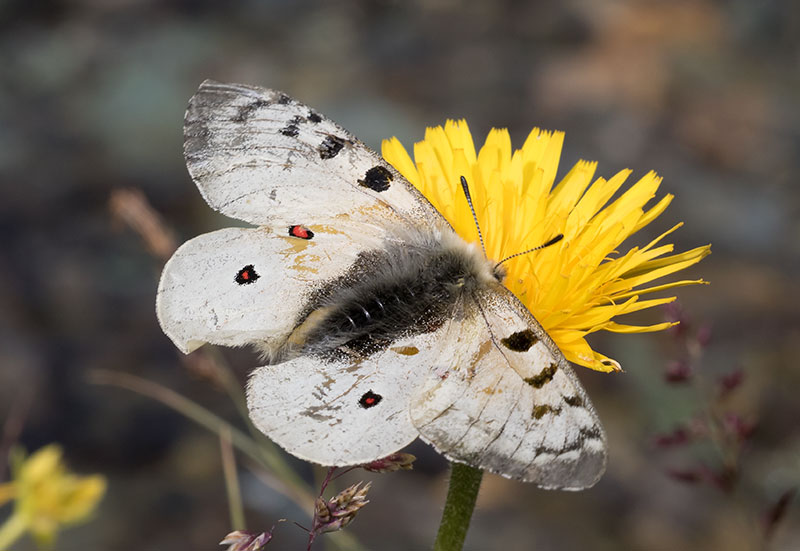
578 285
47 496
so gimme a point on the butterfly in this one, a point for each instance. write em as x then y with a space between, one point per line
378 324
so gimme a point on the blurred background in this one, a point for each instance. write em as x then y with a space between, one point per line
707 93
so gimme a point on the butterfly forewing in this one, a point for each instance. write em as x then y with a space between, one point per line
508 402
260 156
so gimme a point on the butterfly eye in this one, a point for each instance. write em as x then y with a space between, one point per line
246 275
301 232
370 399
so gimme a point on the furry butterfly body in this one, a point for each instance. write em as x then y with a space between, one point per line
379 323
409 286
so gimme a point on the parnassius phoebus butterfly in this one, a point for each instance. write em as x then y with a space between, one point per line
379 324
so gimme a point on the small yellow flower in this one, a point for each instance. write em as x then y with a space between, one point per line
47 497
580 284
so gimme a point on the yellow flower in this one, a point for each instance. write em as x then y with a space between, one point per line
47 497
578 285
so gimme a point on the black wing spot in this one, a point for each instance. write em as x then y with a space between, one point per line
521 341
246 111
593 432
575 401
377 178
314 117
246 275
330 146
370 399
290 130
293 128
538 381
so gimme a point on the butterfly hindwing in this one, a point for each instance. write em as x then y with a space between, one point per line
508 402
340 409
260 156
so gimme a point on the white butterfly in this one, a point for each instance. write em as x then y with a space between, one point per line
380 324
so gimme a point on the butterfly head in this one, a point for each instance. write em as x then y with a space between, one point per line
499 272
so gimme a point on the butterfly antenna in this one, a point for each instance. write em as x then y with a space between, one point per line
553 241
465 187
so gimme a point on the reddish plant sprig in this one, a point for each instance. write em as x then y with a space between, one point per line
728 430
730 382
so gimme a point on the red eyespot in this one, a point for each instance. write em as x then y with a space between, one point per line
301 232
370 399
246 275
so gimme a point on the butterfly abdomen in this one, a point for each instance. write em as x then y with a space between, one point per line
401 290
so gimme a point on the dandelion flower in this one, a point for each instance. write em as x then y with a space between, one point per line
579 285
47 497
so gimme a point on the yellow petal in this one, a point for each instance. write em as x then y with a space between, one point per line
620 328
78 503
48 496
44 463
402 161
580 284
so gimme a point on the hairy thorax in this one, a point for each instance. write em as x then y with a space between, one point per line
410 286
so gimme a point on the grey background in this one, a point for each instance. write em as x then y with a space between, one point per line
92 95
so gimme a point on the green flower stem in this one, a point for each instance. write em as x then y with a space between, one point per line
465 481
12 529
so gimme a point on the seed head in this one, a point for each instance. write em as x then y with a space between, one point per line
340 510
390 463
244 540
